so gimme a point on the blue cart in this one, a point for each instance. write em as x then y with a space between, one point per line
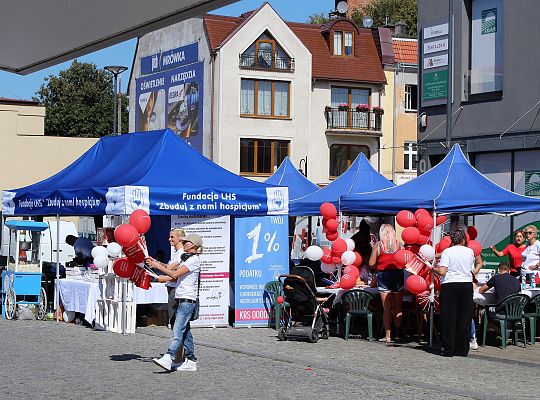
21 281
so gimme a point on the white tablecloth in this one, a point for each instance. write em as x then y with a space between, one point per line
156 294
80 296
489 296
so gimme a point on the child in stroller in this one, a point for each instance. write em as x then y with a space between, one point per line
306 317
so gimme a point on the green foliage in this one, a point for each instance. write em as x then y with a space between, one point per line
396 10
318 19
79 102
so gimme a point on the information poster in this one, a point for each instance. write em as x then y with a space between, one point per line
261 255
214 292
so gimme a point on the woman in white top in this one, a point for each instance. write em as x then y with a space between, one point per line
456 271
531 254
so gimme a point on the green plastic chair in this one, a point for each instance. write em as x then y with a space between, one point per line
357 303
513 306
272 290
532 316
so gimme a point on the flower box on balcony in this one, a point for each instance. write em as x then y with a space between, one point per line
378 110
343 107
362 108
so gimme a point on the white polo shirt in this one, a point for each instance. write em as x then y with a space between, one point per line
186 287
175 258
531 257
460 263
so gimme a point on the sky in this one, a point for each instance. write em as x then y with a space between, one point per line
24 87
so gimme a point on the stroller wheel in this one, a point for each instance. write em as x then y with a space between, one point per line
324 333
281 334
314 337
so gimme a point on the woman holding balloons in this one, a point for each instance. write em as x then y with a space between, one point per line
389 279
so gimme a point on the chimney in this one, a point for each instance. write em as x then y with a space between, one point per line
400 29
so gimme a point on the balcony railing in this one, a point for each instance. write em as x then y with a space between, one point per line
267 60
351 119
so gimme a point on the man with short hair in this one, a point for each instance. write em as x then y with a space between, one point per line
83 249
504 284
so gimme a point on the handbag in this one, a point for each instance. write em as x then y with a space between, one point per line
195 314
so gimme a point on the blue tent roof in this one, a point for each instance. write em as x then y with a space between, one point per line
288 175
156 171
360 177
452 186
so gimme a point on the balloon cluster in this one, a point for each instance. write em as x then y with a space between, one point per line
341 251
470 238
131 239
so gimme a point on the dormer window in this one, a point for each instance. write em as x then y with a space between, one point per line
343 43
266 53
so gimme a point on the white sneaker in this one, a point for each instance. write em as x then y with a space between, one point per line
164 362
188 365
473 344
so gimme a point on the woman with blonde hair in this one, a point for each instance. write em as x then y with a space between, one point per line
389 279
531 254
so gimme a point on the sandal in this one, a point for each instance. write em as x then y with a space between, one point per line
386 340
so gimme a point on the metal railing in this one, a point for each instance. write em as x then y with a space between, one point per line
266 60
351 119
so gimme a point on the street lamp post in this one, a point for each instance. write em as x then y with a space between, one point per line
115 70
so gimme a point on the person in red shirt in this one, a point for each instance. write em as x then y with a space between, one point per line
514 250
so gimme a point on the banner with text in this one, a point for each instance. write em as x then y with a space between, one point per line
214 292
261 255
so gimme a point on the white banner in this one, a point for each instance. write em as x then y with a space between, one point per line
436 61
438 45
214 292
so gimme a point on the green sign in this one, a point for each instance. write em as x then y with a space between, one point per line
489 21
532 183
435 85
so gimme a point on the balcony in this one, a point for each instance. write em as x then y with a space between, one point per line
269 61
352 121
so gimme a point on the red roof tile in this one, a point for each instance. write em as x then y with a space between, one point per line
364 67
405 50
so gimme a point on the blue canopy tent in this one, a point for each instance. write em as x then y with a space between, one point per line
360 177
288 175
155 171
452 186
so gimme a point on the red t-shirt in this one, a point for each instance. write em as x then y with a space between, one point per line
515 256
385 261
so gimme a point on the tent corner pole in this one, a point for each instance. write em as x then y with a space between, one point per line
57 294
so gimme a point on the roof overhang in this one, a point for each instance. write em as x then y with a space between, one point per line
38 34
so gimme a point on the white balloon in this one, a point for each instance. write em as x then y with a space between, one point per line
350 244
68 316
348 257
99 251
114 249
101 261
328 268
427 251
314 253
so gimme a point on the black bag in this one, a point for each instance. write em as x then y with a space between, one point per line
195 314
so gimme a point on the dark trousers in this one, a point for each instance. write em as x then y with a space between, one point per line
455 317
172 305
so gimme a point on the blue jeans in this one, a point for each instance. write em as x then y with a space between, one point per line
182 332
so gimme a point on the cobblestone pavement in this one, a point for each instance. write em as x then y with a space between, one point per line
41 359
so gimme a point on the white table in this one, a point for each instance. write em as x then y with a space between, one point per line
79 296
490 298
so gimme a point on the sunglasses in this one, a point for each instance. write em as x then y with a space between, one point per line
528 233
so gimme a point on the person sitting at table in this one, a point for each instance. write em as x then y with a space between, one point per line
515 251
390 279
503 283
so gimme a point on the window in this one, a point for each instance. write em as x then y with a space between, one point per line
409 156
351 97
265 53
262 157
264 98
343 43
343 155
411 92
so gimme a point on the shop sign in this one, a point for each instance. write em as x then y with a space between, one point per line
170 59
436 61
435 31
532 183
435 85
438 45
489 21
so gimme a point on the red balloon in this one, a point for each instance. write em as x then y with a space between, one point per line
332 225
475 246
134 254
424 223
347 282
332 236
328 210
352 271
444 243
473 232
405 218
421 212
126 235
358 261
339 246
416 284
280 299
410 235
327 255
140 220
413 248
467 238
402 257
441 219
436 282
123 267
336 260
422 239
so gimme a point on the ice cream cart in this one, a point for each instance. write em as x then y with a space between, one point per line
21 280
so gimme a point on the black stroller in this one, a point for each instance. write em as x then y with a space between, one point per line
306 317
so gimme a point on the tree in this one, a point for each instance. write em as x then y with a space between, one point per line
79 102
396 10
318 19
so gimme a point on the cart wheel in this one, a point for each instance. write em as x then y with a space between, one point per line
281 334
314 337
42 307
324 333
10 303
